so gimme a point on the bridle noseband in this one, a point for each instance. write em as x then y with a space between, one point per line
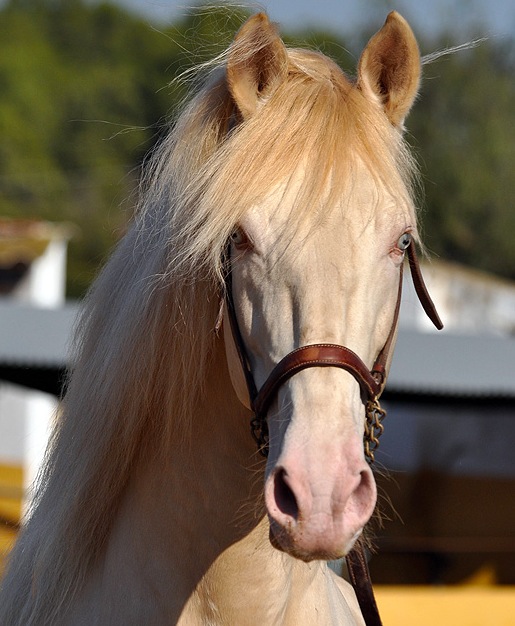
371 382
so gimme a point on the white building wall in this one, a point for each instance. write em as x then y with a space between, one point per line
41 411
44 284
26 418
26 415
13 418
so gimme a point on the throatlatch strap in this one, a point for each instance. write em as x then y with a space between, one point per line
421 289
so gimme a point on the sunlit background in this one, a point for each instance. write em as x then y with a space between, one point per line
86 90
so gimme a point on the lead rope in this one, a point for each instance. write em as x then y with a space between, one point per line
361 582
356 560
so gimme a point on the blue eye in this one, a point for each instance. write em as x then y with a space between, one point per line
404 241
239 238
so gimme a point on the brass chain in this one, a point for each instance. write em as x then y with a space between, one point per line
373 427
259 430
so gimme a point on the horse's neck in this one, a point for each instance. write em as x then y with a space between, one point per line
190 545
186 513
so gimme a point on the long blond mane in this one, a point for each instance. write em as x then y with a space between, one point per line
146 336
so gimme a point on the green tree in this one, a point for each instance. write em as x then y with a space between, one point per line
83 98
86 90
464 127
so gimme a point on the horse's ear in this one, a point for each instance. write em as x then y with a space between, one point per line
257 63
389 68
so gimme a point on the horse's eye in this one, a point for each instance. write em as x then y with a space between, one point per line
404 241
239 238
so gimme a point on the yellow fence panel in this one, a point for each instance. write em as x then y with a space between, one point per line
446 606
11 494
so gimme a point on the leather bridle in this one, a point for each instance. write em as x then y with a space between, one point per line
371 382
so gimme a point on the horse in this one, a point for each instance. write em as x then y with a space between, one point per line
274 219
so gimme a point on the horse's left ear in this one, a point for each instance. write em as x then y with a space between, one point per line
257 63
389 68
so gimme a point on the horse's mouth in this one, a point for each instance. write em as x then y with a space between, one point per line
288 543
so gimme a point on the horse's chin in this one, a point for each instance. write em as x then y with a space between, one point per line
284 542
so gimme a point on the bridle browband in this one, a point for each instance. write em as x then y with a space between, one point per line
371 383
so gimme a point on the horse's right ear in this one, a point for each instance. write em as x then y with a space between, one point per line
257 63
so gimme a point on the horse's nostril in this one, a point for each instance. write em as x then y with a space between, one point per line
284 497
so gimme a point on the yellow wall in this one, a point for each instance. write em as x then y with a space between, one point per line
11 492
446 606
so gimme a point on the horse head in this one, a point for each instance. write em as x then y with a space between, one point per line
316 259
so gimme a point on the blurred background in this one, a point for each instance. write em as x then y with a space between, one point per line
86 90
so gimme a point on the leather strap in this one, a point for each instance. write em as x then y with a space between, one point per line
421 289
235 329
379 368
359 575
315 355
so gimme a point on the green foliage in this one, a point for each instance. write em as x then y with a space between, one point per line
70 86
85 90
465 129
